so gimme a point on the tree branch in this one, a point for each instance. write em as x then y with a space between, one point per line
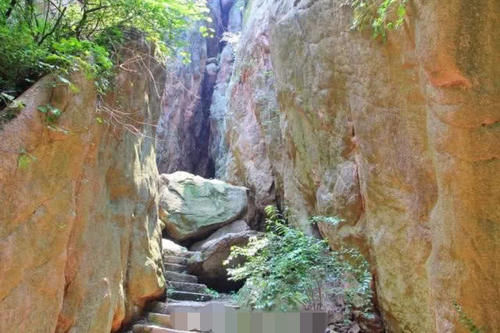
54 28
11 8
86 12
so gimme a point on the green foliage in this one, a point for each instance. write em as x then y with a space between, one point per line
12 109
380 16
25 159
51 113
286 269
333 220
40 37
214 293
465 320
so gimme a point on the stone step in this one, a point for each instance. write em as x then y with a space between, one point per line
175 267
175 260
180 277
188 296
188 254
159 307
160 319
173 306
187 286
150 328
184 306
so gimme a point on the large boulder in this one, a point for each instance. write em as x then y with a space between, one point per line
214 250
191 206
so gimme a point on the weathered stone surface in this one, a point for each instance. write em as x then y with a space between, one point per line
170 248
192 206
245 115
400 139
184 126
79 237
339 195
214 250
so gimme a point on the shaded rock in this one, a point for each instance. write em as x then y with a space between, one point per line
244 113
184 127
339 195
417 115
214 250
191 206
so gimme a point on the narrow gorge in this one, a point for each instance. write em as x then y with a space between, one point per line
373 125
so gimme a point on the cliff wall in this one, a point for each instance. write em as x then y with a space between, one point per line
79 233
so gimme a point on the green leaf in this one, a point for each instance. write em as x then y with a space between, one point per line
25 160
43 109
56 112
74 89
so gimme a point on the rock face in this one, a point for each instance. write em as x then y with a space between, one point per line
191 206
79 233
399 139
184 127
245 98
214 251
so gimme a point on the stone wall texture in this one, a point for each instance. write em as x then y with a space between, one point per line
401 139
79 233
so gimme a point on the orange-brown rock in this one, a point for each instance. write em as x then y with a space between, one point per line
79 234
400 139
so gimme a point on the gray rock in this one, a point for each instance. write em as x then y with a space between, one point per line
170 248
191 206
214 251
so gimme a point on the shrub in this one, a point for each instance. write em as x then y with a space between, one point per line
286 269
40 37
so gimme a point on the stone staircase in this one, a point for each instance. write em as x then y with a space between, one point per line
183 286
184 293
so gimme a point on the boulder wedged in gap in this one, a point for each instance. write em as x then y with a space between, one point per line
191 206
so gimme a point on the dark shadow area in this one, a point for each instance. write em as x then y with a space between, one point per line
222 285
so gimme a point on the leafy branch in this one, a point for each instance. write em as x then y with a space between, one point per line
380 16
50 36
286 269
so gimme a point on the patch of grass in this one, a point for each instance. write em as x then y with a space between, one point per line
214 293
